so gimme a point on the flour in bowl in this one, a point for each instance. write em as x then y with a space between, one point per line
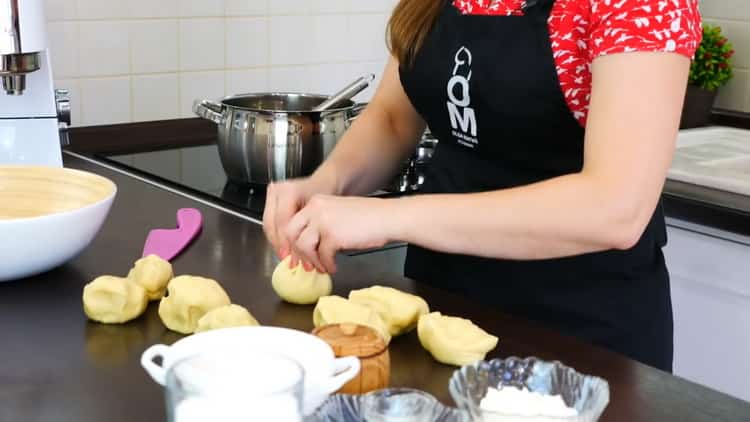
517 402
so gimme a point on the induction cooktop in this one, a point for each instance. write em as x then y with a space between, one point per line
197 170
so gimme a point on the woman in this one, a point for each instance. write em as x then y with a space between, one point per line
557 122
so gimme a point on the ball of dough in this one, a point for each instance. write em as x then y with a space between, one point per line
188 299
113 300
337 310
453 340
225 317
153 274
295 285
399 310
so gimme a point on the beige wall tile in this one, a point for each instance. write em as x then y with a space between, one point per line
63 48
246 81
156 97
734 95
154 46
105 100
727 9
247 42
202 44
104 48
101 9
246 7
738 33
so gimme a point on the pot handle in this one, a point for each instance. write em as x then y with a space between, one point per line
345 369
355 111
157 372
208 110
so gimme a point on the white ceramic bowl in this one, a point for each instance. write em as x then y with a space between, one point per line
48 216
324 373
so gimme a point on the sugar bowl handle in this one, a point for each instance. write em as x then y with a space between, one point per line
157 372
345 369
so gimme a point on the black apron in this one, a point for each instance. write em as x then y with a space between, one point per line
488 89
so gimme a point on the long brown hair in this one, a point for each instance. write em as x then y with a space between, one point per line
408 27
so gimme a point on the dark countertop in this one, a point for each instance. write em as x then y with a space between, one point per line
707 206
54 365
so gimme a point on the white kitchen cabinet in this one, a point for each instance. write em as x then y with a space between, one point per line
710 273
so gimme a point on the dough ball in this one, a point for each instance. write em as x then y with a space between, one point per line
153 274
295 285
337 310
453 340
225 317
399 310
188 299
113 300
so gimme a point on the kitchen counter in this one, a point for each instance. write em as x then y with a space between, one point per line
704 209
724 214
54 365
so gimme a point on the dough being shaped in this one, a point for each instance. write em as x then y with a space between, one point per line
225 317
337 310
188 299
399 310
295 285
453 340
113 300
153 274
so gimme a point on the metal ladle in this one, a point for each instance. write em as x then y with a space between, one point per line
347 93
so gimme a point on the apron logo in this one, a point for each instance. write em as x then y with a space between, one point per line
463 118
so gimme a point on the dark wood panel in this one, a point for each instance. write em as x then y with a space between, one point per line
56 366
731 118
142 136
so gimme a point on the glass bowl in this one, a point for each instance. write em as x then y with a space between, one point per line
589 395
390 404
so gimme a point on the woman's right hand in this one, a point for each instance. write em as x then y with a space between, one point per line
283 201
366 157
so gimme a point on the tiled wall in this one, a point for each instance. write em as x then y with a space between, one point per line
734 18
136 60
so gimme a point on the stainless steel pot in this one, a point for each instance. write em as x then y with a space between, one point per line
271 137
412 175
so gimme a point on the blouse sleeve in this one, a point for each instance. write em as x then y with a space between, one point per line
619 26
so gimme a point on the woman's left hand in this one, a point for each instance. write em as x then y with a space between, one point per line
328 224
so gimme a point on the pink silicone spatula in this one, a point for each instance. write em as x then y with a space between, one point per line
168 243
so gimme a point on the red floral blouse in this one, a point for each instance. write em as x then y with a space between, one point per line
581 30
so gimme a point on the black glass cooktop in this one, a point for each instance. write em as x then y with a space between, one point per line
196 170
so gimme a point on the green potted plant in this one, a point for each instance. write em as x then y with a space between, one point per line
710 70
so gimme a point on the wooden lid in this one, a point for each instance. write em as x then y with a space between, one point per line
349 339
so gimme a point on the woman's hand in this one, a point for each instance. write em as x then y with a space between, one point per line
328 224
283 201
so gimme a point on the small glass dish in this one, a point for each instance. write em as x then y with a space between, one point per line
387 405
233 386
398 404
589 395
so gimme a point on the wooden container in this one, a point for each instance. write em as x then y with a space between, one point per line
365 343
